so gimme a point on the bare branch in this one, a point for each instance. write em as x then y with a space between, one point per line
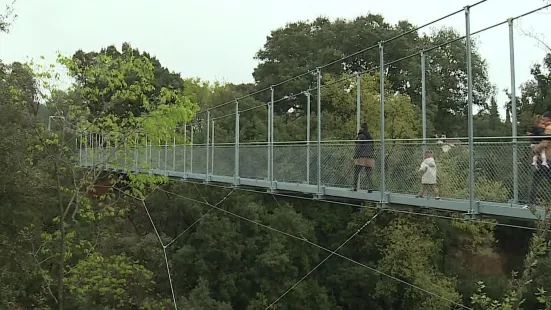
538 37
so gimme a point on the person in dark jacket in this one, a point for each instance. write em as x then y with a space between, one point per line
363 157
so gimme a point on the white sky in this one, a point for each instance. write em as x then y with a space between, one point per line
217 39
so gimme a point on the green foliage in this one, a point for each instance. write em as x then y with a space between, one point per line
519 287
114 282
409 250
536 93
65 250
300 46
199 298
123 83
479 235
340 120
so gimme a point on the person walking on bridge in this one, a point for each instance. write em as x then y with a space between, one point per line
363 158
428 179
543 171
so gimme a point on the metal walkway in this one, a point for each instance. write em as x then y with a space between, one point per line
293 168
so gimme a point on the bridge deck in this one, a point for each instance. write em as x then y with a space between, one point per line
294 170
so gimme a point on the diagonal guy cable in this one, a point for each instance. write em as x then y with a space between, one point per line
202 216
163 246
324 260
142 200
327 250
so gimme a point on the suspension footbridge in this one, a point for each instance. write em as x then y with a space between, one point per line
477 176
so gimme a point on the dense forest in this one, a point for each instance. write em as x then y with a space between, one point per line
82 238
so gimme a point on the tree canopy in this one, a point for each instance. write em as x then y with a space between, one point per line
298 47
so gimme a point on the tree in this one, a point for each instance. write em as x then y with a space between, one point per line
408 252
75 209
487 123
25 190
340 121
111 99
117 281
291 50
5 17
535 95
199 299
516 294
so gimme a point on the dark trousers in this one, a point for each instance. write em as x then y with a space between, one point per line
368 178
537 178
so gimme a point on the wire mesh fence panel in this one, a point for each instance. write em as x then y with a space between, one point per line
87 156
253 161
160 160
155 157
494 179
402 162
111 157
337 168
127 158
493 173
181 159
168 159
452 164
290 163
199 161
494 176
119 156
526 174
223 162
142 157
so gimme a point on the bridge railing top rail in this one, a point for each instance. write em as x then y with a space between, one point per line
313 143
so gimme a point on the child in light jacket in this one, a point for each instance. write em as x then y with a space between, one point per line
428 179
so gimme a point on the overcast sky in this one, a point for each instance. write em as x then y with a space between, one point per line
217 39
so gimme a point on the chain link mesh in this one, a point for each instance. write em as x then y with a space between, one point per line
297 163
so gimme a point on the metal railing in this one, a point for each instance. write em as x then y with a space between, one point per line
494 178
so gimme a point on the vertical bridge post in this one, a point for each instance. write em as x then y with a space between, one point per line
269 161
271 139
207 147
473 208
358 100
212 150
191 148
318 70
159 154
236 146
424 101
125 162
272 148
308 135
136 153
80 150
166 156
174 150
382 107
513 110
150 158
147 155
